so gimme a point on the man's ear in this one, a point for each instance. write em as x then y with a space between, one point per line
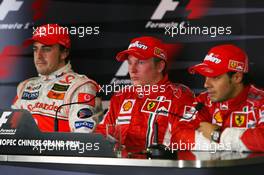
162 66
237 77
64 54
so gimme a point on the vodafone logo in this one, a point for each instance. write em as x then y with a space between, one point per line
8 6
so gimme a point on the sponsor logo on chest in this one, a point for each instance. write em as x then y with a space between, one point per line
30 95
58 91
60 87
158 106
33 88
44 106
127 106
242 119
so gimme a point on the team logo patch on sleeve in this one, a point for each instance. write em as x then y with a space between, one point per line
84 113
88 98
127 106
188 112
84 124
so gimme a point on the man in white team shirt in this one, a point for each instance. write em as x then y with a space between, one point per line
57 84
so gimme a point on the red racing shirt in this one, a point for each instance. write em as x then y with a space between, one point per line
133 114
241 120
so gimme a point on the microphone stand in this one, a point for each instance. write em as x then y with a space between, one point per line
160 151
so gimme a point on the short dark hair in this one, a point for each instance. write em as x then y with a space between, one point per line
64 49
157 60
246 77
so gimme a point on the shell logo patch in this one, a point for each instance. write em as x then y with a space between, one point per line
218 117
127 106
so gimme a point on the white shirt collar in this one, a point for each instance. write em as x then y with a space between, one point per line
58 73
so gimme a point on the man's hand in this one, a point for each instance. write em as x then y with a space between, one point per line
206 129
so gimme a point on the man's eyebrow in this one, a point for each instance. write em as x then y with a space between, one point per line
45 46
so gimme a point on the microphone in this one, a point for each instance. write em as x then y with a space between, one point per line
156 150
156 134
56 120
160 151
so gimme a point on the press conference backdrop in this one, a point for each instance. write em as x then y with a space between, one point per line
101 28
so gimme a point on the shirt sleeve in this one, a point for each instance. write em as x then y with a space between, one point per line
84 117
184 132
17 102
253 138
183 124
109 118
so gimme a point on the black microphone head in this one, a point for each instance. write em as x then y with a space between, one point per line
199 106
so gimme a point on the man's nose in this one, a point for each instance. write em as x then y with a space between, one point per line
133 68
38 54
207 82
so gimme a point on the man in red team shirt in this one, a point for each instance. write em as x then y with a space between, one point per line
57 84
134 111
233 114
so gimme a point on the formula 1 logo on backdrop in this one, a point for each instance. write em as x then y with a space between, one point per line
194 9
163 7
4 118
6 130
121 74
7 6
